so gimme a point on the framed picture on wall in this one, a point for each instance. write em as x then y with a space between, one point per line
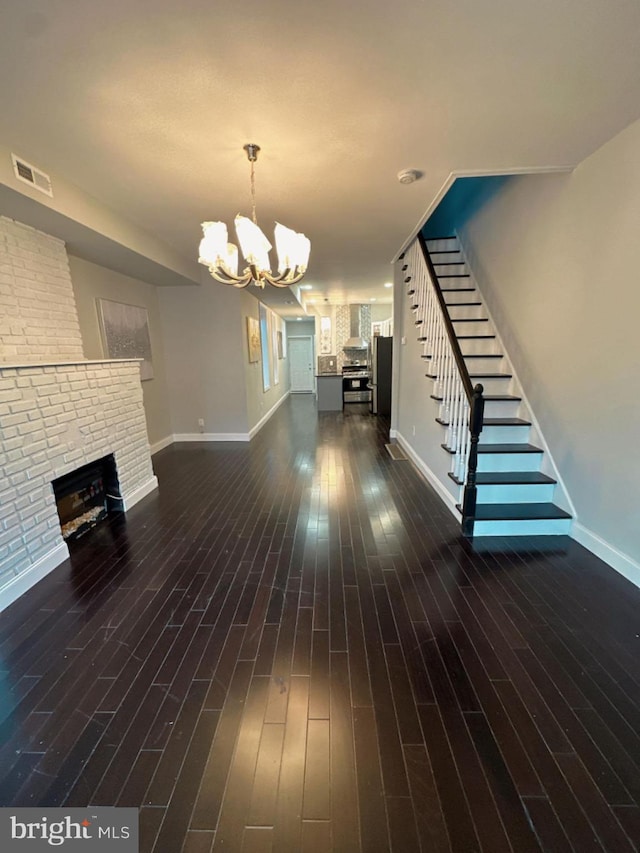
253 339
125 333
280 350
264 346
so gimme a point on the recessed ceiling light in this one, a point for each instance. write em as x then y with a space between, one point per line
306 287
298 319
388 284
373 299
311 301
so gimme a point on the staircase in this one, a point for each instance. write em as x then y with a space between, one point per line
514 494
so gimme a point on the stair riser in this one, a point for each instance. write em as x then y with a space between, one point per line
466 312
447 245
452 284
519 493
478 347
492 386
502 409
462 296
491 365
504 434
476 327
450 267
524 527
509 462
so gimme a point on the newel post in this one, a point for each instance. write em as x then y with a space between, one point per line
476 417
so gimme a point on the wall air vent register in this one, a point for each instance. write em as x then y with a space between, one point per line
29 174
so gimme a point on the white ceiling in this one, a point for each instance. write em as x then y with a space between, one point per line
146 104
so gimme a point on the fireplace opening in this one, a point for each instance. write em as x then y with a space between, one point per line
86 496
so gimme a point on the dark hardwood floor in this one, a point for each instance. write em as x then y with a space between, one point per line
289 647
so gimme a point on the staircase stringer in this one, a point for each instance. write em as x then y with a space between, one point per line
549 466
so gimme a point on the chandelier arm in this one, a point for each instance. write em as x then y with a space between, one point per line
281 280
235 281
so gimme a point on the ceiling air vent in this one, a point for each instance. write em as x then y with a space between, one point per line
28 174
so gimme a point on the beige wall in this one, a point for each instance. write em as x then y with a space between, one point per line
203 343
557 260
259 401
91 282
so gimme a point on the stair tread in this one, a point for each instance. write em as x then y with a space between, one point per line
436 239
456 289
501 398
460 304
470 320
509 448
498 478
483 355
505 422
474 337
486 375
495 421
455 275
518 512
445 251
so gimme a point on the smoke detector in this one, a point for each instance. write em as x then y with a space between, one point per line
408 176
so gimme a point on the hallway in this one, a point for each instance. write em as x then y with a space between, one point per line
289 648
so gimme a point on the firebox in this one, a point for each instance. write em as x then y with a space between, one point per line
86 496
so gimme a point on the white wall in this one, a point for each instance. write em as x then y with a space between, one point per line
557 260
91 282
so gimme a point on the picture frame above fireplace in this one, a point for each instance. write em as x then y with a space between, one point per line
125 333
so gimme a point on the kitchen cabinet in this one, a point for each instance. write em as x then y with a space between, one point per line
329 395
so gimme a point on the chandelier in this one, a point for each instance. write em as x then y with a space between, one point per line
221 257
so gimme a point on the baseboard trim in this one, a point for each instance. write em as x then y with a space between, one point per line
132 498
27 578
212 436
618 560
160 445
256 429
430 477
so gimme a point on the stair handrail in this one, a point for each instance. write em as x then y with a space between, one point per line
474 396
453 340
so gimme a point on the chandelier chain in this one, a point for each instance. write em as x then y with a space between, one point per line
253 193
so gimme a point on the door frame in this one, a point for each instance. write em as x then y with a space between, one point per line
310 338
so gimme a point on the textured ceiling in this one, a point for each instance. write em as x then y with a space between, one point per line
146 104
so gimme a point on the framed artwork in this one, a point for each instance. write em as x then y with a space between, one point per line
280 350
274 349
253 339
125 333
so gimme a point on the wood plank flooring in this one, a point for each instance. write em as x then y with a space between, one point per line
289 647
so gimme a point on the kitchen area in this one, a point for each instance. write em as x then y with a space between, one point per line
358 370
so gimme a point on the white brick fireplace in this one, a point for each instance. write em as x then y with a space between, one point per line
58 411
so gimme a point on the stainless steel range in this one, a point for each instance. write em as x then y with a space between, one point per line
356 378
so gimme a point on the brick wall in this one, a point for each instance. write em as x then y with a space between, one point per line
57 410
38 317
55 419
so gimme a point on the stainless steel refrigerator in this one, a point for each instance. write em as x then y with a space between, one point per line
381 363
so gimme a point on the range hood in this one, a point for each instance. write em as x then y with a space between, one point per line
355 339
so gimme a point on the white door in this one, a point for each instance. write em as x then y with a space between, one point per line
301 364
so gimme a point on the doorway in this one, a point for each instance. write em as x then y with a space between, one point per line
301 364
